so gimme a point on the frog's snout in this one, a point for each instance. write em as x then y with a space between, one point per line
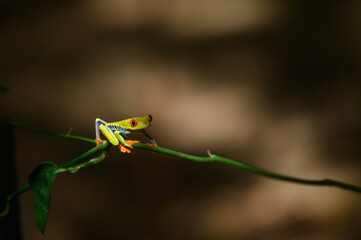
150 118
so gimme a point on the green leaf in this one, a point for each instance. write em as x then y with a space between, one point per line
40 180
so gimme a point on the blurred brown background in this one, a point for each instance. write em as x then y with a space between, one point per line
272 83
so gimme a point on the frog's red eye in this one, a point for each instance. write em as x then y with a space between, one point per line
133 122
150 117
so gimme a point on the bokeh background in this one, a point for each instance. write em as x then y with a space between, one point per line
275 84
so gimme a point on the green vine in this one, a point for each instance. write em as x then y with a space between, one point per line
256 170
42 177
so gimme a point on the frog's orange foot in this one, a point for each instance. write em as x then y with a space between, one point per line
130 142
152 145
99 141
123 149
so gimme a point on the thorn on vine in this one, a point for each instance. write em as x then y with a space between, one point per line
210 155
69 131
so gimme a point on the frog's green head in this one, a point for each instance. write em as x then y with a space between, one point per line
136 123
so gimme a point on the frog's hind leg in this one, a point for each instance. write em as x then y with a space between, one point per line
108 133
98 122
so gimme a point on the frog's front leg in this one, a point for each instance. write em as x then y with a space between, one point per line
151 139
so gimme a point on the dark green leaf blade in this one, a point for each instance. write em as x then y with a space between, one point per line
40 180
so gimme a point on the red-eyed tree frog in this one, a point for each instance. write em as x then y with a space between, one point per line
116 132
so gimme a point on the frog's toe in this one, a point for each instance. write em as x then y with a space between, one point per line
123 149
99 141
152 145
130 142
